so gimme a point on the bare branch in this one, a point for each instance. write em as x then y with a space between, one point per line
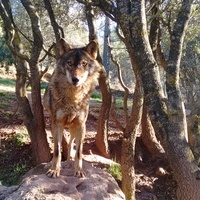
48 52
125 107
58 30
119 34
36 28
27 38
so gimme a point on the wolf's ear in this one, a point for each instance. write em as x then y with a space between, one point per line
63 47
92 49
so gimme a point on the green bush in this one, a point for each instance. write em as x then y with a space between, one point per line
115 171
96 96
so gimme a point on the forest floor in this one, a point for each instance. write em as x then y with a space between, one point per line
16 155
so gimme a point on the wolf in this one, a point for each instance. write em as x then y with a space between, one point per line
67 99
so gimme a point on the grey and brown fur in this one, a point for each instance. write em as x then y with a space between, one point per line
67 99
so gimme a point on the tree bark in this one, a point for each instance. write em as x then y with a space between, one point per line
102 125
128 144
148 134
133 124
149 137
106 57
168 118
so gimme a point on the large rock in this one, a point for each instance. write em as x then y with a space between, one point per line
97 185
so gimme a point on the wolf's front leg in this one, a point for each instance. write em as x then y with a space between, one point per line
78 130
57 132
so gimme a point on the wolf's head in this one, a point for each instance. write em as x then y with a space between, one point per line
77 63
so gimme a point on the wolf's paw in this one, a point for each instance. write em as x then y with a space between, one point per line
53 173
80 174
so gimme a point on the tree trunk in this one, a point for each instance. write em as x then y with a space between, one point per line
167 115
33 118
148 135
106 57
133 125
128 144
38 133
102 125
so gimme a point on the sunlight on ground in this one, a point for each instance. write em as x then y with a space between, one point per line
7 88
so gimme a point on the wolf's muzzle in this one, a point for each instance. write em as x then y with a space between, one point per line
75 80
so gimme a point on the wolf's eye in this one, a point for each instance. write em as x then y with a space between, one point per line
69 63
84 63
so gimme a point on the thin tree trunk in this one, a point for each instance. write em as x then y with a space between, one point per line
38 133
102 125
106 57
128 144
134 122
148 135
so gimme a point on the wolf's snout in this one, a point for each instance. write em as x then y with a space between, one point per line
75 80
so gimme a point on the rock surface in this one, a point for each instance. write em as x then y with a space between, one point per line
97 185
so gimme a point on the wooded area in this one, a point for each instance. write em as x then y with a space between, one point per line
155 46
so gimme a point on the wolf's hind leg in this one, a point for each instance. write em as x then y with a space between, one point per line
70 147
57 132
78 130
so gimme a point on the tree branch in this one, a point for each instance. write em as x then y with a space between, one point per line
36 29
58 30
107 7
11 33
48 52
119 72
119 34
177 43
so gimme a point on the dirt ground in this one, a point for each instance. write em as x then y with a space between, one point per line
16 156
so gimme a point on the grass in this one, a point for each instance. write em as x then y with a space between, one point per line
43 86
120 103
22 137
15 157
7 82
96 96
3 104
12 175
15 150
5 95
115 171
6 100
